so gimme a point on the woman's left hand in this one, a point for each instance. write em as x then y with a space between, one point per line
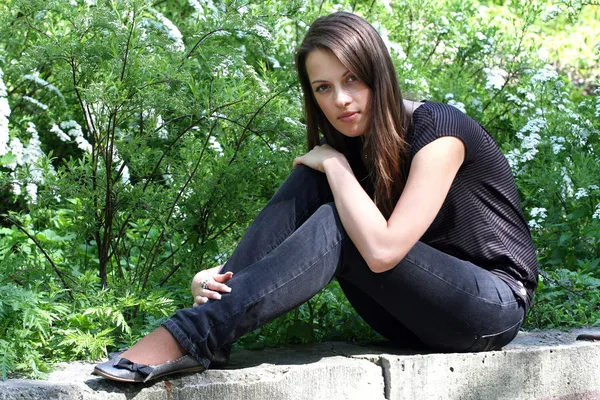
317 157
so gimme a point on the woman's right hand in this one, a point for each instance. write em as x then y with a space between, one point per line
215 285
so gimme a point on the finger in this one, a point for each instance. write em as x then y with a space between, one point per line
297 161
199 300
211 294
222 278
219 287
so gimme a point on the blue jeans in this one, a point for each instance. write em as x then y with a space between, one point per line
297 245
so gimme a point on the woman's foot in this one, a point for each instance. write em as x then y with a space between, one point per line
156 348
156 355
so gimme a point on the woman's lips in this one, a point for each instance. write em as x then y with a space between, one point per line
349 117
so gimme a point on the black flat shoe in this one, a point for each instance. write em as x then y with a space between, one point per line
123 370
587 336
220 359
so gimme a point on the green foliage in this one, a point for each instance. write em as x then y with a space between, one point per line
142 138
327 316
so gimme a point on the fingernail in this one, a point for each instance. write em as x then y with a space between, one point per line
218 296
227 289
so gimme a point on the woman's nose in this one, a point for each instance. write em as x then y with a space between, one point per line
342 99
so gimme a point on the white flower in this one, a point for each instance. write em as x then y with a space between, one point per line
274 62
284 149
294 122
162 130
73 127
83 144
495 78
31 189
597 212
458 105
581 192
545 74
59 132
34 77
15 185
262 32
513 98
551 12
567 189
393 47
125 175
538 215
540 212
215 145
33 151
195 4
164 24
480 36
529 143
443 27
514 159
593 187
16 148
557 144
477 104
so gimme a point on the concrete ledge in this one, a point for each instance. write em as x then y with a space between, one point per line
546 365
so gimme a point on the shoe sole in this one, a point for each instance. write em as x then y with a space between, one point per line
115 378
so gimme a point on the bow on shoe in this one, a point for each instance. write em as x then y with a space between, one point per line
142 369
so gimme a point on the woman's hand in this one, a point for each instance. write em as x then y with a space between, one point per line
209 284
317 157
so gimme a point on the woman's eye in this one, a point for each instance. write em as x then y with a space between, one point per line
321 88
352 78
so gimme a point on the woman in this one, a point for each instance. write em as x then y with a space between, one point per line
411 206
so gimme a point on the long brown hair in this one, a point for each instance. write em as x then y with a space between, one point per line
359 48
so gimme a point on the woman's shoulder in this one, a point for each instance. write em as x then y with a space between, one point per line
435 110
433 120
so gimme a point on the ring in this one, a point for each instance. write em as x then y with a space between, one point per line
204 284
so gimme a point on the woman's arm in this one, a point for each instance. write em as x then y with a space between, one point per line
383 244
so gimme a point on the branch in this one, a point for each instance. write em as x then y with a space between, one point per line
39 246
127 46
202 39
247 126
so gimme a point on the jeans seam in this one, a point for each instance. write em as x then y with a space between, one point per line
520 321
266 294
501 304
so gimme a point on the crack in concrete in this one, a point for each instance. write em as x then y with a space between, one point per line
378 360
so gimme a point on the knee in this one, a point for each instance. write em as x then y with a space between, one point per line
305 180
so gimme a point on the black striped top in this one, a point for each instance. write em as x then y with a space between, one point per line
481 220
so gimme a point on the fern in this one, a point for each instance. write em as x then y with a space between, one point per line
86 344
8 356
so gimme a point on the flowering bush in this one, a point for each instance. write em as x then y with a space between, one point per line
138 140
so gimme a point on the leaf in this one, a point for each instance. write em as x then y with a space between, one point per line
7 158
564 237
300 331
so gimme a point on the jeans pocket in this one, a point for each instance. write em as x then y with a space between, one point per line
495 341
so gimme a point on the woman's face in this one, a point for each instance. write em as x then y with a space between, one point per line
342 97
